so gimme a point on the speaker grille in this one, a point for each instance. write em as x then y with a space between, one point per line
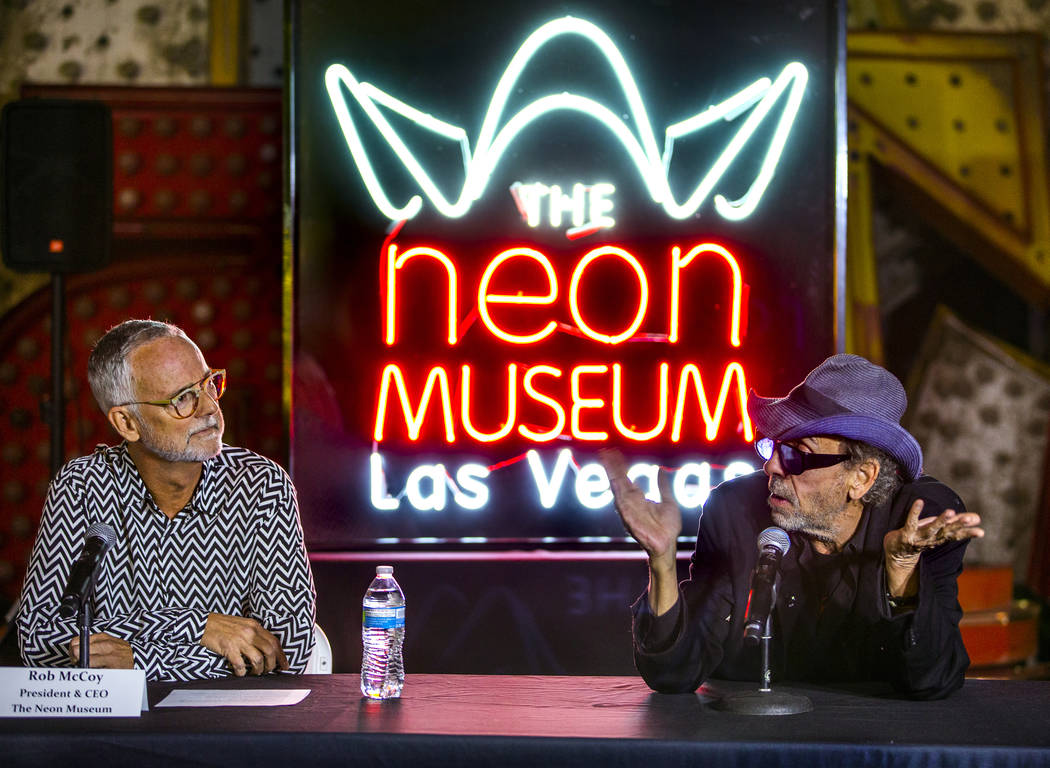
56 203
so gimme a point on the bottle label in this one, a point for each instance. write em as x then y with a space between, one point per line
383 618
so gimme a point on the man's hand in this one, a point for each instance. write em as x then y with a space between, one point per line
902 547
240 639
104 652
654 525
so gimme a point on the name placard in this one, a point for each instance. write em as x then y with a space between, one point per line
58 692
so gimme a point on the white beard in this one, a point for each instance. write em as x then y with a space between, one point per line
170 451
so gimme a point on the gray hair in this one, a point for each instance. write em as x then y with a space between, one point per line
109 372
889 478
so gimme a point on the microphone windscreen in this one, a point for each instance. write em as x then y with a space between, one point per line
102 531
776 538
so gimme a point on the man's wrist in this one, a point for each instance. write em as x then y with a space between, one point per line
663 584
666 562
902 577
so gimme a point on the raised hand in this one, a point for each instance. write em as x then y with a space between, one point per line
243 640
903 546
654 525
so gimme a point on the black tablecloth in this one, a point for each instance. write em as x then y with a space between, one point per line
452 720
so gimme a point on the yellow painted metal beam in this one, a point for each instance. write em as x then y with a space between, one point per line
863 320
225 25
960 117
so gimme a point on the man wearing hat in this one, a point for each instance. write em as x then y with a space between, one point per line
867 589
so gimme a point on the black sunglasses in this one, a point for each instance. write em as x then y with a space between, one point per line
792 460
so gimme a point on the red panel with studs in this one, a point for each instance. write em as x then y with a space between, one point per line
197 186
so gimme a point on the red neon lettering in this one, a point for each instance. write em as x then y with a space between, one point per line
414 421
394 263
690 373
485 298
512 405
643 294
567 416
617 405
554 405
437 381
580 403
679 262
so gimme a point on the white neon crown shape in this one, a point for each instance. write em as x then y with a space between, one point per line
639 144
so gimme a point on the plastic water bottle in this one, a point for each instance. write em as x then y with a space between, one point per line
382 634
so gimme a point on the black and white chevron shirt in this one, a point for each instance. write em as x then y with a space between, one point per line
236 548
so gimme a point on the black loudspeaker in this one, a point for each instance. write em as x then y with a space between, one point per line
56 200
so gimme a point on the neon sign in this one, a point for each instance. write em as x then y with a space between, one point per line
758 100
429 486
436 396
521 242
405 407
588 205
395 262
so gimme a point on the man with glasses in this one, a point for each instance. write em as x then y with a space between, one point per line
209 574
867 589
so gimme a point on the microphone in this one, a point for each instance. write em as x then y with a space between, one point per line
97 541
773 544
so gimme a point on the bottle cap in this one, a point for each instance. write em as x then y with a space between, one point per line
384 570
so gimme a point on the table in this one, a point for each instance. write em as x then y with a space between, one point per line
453 720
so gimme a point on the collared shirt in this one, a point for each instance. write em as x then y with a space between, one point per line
816 594
236 549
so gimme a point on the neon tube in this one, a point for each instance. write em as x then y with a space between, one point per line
580 403
550 402
394 263
690 373
512 406
617 405
679 262
485 298
643 297
637 139
436 378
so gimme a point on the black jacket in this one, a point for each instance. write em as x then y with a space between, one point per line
826 628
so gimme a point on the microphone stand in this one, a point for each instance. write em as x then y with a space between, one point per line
85 615
765 701
767 637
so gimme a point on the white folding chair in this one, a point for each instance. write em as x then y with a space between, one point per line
320 662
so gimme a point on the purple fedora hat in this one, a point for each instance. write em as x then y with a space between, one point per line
845 396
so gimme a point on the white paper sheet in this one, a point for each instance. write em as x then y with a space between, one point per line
234 698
